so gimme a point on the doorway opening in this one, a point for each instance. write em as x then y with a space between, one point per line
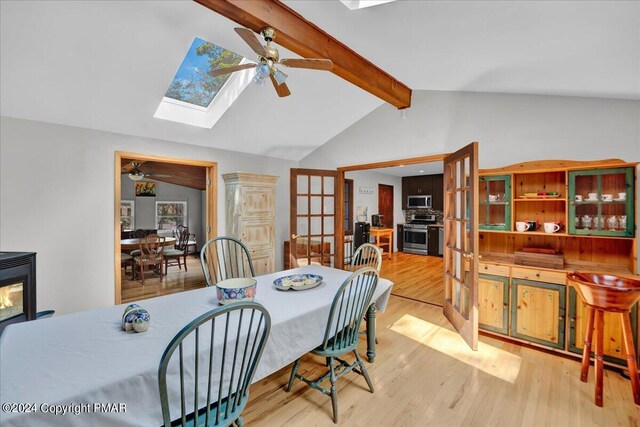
173 198
379 196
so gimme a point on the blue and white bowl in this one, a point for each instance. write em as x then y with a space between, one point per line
236 290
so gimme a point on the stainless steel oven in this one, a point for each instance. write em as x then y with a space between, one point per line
415 240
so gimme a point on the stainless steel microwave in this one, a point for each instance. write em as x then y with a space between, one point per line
419 202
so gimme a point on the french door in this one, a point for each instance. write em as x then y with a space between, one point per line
313 220
461 237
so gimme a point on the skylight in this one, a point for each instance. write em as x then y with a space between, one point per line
361 4
196 98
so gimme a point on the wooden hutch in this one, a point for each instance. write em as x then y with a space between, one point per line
533 304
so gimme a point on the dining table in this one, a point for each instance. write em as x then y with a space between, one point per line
83 369
130 244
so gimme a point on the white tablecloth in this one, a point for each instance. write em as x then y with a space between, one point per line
85 358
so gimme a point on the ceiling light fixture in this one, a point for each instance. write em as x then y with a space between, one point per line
136 176
421 171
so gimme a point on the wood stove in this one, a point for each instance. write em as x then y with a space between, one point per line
17 287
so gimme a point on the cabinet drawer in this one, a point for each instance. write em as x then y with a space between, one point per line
494 269
539 275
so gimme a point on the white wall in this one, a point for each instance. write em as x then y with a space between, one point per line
145 207
510 129
56 184
369 179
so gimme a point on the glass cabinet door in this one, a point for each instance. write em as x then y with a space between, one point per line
602 202
495 202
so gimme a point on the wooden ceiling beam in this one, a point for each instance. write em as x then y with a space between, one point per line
306 39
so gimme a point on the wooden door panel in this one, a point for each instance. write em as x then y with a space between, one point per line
385 204
257 201
493 296
262 261
537 312
258 234
461 237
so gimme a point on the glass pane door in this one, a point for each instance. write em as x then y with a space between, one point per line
313 219
461 236
602 202
495 202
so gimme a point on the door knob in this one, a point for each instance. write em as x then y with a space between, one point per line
294 236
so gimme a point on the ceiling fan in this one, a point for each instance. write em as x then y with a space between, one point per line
135 174
268 58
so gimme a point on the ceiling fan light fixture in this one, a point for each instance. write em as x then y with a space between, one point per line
262 72
280 77
136 176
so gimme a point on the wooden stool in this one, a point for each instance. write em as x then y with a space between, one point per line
602 293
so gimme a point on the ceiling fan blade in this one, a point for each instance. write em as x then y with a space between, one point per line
228 70
252 40
283 89
314 64
156 175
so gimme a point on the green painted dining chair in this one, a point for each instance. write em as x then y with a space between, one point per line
223 347
342 333
225 258
367 255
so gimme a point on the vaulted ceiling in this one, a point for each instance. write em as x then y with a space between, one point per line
106 65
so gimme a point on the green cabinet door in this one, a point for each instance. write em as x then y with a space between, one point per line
537 312
601 202
495 202
613 340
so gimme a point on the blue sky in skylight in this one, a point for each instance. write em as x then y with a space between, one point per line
192 83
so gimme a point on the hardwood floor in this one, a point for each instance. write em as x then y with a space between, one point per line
424 374
417 277
177 280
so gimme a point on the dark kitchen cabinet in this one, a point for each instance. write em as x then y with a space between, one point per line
399 236
423 185
437 193
433 241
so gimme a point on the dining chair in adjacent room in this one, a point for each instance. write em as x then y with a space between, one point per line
342 333
151 253
225 258
217 356
173 255
126 259
191 241
367 255
138 234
